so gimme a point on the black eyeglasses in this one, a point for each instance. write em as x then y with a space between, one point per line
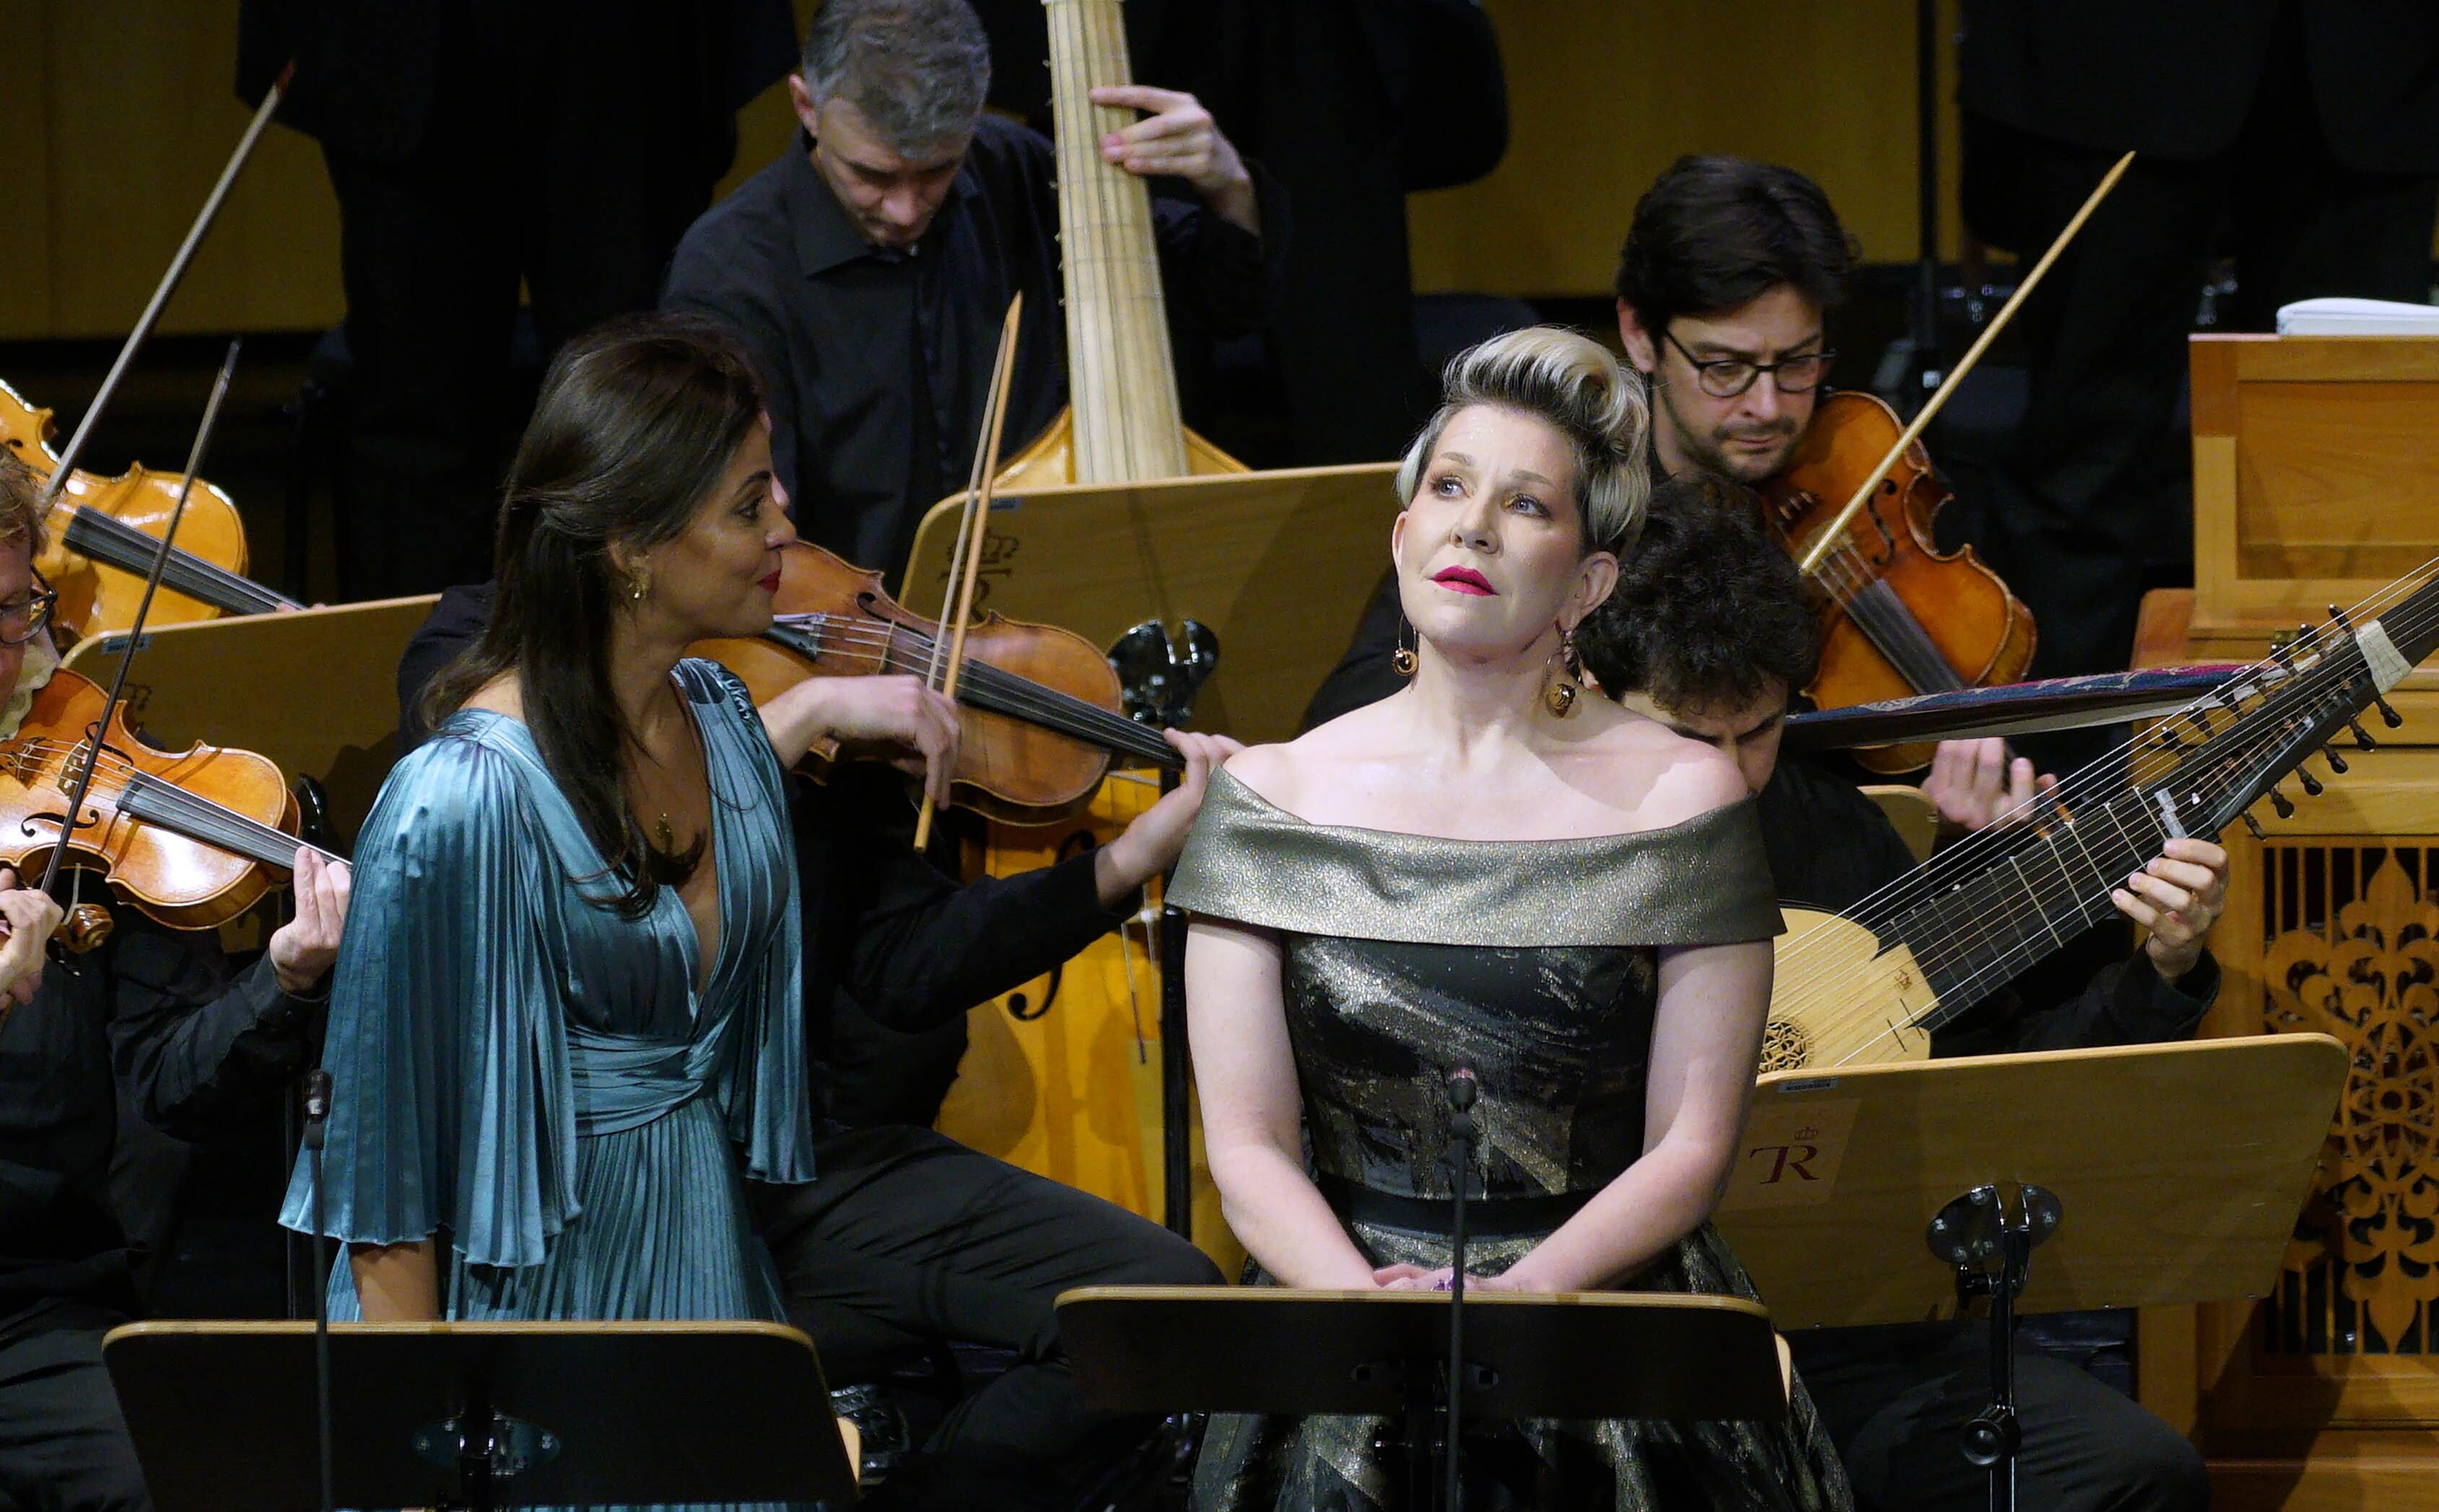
23 619
1727 377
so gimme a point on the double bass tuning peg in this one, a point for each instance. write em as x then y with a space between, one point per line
2311 784
2387 715
2254 824
2285 805
2337 763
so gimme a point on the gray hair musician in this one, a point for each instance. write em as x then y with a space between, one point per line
868 268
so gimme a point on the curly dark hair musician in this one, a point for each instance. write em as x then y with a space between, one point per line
1707 631
1719 615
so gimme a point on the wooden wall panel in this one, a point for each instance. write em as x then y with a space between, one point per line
1602 96
117 115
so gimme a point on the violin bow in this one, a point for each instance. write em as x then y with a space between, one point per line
65 467
949 650
1822 543
92 763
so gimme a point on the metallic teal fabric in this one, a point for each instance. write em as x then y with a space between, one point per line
534 1081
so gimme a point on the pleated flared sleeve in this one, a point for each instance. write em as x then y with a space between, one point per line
451 1108
765 1093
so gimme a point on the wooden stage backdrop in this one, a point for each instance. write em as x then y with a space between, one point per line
117 115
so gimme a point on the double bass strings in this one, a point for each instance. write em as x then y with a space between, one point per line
2267 678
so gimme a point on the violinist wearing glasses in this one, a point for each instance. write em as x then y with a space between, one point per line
153 1014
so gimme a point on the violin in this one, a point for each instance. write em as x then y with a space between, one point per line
103 532
1899 616
191 838
1039 705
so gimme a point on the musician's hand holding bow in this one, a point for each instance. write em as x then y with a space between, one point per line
1177 136
2175 896
31 916
1150 846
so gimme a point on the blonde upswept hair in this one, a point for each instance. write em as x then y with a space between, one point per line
21 503
1580 389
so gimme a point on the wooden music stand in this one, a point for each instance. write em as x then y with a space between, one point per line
1277 564
2112 1177
316 690
222 1414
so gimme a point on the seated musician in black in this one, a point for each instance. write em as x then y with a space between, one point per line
150 1024
1708 631
909 1239
868 270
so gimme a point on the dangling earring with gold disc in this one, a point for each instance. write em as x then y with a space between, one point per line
1404 659
1558 691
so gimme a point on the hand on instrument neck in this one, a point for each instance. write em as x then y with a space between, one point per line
1151 844
1178 137
2176 895
303 949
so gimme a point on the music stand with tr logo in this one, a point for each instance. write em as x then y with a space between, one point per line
479 1415
1918 1191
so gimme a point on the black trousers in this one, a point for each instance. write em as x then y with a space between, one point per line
908 1237
567 167
63 1446
1895 1399
2099 478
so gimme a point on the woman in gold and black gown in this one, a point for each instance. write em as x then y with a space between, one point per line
1491 872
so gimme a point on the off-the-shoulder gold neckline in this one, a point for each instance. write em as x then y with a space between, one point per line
1612 838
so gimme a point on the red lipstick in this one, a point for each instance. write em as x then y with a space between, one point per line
1465 580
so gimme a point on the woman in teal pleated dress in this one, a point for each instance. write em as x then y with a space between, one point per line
566 1025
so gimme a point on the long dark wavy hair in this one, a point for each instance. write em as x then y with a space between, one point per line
636 421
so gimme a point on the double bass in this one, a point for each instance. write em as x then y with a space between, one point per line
1064 1075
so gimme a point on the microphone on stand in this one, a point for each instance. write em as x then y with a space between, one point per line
1462 1090
317 1113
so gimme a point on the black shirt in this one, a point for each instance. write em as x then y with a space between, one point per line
877 361
154 1012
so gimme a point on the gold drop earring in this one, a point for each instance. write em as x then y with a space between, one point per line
639 585
1402 661
1558 691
